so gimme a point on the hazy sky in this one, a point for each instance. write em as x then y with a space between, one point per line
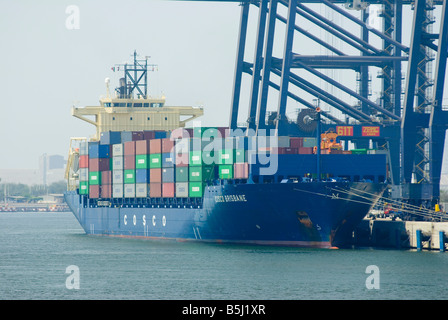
47 68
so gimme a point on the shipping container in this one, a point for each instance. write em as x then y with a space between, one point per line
201 173
241 170
117 176
309 142
167 160
226 171
155 146
168 175
129 176
106 191
182 145
195 189
98 150
137 135
159 134
167 145
283 142
94 177
181 174
84 161
182 189
83 187
129 148
141 147
83 174
99 164
141 190
155 175
83 148
180 133
168 189
182 159
196 158
106 177
155 160
110 137
142 176
296 142
117 163
155 190
126 136
142 161
129 190
226 156
117 190
148 134
129 162
117 150
283 150
240 155
94 191
306 150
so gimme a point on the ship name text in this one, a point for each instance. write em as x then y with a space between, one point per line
231 198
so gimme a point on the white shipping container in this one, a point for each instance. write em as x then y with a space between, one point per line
117 176
129 190
141 190
117 163
182 189
117 150
117 190
84 174
83 148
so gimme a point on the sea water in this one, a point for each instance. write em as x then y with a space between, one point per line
48 256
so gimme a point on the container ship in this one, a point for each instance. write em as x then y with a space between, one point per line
146 174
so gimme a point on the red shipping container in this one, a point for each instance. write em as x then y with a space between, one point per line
296 142
142 147
306 150
99 164
129 162
167 145
137 135
155 146
155 175
241 170
106 177
84 161
168 190
106 191
182 159
155 190
129 148
283 150
94 191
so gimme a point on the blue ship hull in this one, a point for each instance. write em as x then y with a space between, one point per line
317 214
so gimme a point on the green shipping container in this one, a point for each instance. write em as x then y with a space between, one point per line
142 161
205 132
155 160
195 189
226 171
240 156
181 174
94 177
129 176
226 156
83 187
196 158
201 173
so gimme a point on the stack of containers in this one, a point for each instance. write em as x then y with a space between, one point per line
155 168
168 171
129 169
98 161
83 168
181 161
117 170
142 168
105 165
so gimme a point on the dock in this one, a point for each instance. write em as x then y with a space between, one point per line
386 233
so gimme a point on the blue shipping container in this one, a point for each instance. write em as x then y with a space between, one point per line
142 176
167 160
126 136
167 175
98 150
110 137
